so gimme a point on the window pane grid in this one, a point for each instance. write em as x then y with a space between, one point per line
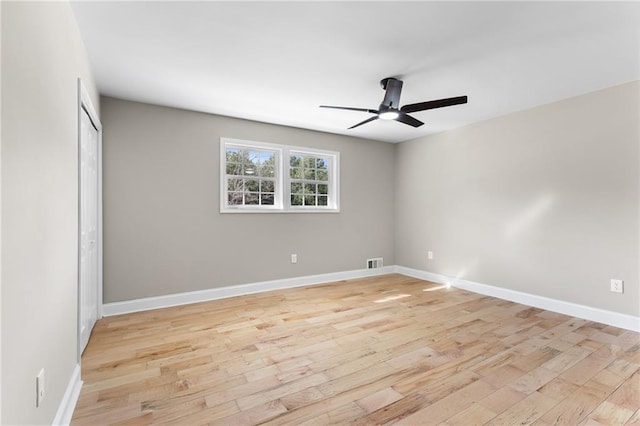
309 178
250 177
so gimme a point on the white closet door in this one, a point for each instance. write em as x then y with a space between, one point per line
88 299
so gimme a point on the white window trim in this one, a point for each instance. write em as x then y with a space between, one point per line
282 202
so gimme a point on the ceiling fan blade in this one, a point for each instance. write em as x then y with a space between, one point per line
407 119
422 106
375 117
372 111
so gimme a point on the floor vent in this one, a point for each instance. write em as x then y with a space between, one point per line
374 263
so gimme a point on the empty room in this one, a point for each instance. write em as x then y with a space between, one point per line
315 213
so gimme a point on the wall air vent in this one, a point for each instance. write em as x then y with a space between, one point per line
374 263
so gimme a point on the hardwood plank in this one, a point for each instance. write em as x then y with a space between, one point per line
256 414
628 394
281 391
575 407
379 399
608 413
476 414
502 399
588 367
526 411
533 380
366 351
635 418
449 406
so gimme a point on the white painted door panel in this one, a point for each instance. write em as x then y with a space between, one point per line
88 228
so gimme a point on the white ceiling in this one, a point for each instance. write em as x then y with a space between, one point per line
277 61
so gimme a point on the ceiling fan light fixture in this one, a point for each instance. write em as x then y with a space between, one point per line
388 115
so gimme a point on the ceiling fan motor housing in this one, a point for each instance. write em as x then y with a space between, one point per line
393 89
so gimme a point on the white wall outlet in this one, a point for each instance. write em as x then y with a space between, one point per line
617 286
430 255
294 258
40 388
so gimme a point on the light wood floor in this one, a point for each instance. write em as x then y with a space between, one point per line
370 351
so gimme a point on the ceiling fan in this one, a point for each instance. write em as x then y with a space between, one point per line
390 108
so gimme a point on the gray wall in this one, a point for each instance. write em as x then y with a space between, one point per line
543 201
42 57
163 230
0 212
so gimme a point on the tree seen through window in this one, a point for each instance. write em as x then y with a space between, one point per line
250 177
309 180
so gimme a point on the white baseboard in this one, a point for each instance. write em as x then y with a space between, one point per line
628 322
148 303
69 399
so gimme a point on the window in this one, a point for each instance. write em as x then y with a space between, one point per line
309 179
262 177
251 176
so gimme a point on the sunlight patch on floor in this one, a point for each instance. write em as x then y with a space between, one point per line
440 287
390 298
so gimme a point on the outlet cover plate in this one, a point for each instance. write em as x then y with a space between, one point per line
617 286
40 388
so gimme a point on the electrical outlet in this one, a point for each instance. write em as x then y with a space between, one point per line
617 286
294 258
430 255
40 388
